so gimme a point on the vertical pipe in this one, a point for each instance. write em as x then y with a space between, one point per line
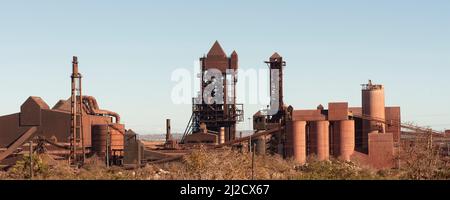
222 135
250 144
107 147
253 163
81 121
31 160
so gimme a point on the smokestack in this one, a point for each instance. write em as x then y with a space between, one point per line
168 131
75 65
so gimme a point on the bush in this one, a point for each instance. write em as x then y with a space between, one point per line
334 170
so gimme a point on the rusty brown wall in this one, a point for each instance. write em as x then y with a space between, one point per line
202 138
393 114
308 115
56 124
30 112
381 150
216 62
10 129
337 111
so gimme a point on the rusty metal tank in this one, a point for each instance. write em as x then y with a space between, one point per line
108 138
99 139
299 141
346 139
373 106
320 139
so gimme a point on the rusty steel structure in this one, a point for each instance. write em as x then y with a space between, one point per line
72 129
216 108
277 109
76 129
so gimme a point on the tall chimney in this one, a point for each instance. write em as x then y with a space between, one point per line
75 66
168 131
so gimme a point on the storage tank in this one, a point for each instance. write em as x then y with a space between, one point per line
320 139
299 141
373 106
99 139
346 139
108 135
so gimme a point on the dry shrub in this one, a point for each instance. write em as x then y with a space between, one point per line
227 164
4 175
420 162
21 170
334 170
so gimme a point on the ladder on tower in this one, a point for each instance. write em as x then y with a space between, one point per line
77 150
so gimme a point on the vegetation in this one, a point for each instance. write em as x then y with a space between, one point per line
419 163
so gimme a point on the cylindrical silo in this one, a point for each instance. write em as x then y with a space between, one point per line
346 139
373 106
222 135
108 138
320 137
99 140
299 141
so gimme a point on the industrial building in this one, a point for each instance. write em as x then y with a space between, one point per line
77 128
72 128
217 117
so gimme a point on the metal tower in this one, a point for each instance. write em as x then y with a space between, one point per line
77 150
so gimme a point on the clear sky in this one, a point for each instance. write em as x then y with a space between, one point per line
129 49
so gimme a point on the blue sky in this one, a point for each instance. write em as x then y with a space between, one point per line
128 50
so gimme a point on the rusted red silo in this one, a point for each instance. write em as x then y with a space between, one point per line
321 139
107 135
299 141
373 106
99 139
346 139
